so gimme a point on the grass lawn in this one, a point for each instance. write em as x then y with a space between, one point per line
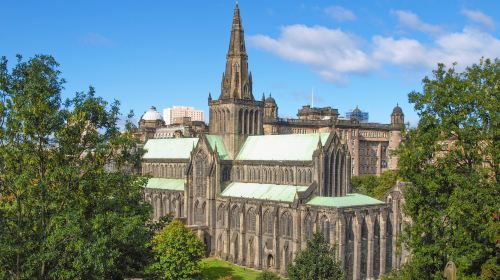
214 268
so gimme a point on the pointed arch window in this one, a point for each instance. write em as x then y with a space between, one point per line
287 225
200 174
308 227
268 223
251 220
235 218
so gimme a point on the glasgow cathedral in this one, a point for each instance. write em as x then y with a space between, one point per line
255 187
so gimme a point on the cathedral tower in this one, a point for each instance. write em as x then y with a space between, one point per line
236 114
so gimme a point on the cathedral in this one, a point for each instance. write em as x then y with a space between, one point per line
255 198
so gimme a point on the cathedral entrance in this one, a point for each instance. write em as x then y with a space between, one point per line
270 261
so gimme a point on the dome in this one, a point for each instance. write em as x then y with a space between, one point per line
356 111
151 115
270 99
397 110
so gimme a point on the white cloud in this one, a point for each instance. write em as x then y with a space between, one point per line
465 48
340 13
411 20
332 53
479 17
335 54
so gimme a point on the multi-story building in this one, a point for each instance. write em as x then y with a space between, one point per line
371 145
176 114
255 198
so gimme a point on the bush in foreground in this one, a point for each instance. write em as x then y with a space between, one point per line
177 253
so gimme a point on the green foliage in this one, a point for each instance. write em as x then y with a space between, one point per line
155 226
452 161
267 275
64 212
317 261
375 186
177 253
213 268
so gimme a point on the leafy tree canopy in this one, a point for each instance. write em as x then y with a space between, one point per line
317 261
375 186
69 207
452 161
177 253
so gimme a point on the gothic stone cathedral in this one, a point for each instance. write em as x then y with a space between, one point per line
255 199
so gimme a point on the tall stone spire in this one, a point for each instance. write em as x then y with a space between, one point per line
236 82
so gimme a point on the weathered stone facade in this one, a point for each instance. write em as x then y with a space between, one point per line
371 144
255 199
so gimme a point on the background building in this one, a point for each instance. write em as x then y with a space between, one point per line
358 115
175 114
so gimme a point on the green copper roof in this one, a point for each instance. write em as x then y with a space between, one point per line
217 140
272 192
166 184
352 199
170 148
281 147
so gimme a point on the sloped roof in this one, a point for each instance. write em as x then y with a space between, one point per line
217 140
285 193
289 147
169 148
350 200
166 184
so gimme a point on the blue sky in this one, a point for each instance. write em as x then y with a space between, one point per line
164 53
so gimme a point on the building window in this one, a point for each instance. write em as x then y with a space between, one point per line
308 227
268 223
251 220
287 225
199 213
235 218
220 215
200 173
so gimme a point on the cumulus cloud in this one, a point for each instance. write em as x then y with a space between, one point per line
340 13
334 54
411 20
465 48
479 17
329 52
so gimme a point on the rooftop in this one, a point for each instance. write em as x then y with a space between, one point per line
289 147
350 200
169 148
166 184
284 193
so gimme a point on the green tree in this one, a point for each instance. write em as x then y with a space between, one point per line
452 161
267 275
69 207
317 261
375 186
177 253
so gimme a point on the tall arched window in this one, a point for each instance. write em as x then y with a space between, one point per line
220 215
268 223
364 248
308 227
287 225
388 238
376 248
251 220
200 173
235 218
325 228
199 213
